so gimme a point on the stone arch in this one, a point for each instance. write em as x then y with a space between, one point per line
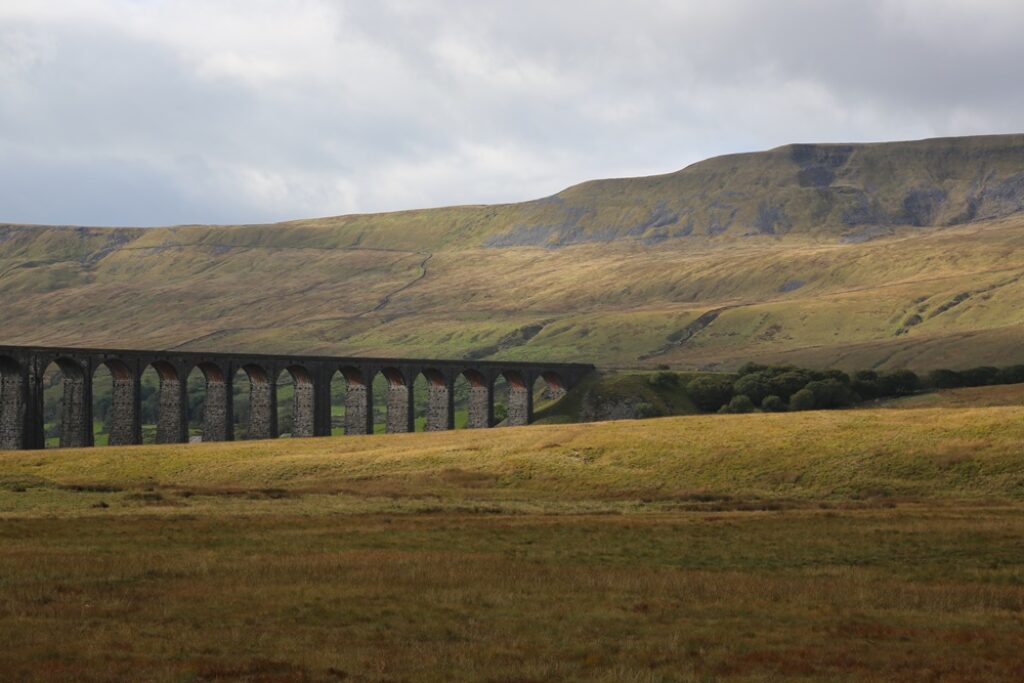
480 402
357 406
215 407
12 405
69 406
554 381
259 416
400 411
440 404
171 405
520 398
548 389
120 417
297 417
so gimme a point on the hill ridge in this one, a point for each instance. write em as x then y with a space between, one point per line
815 254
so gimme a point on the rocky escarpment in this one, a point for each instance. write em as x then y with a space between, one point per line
845 191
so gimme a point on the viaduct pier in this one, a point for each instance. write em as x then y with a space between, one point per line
22 369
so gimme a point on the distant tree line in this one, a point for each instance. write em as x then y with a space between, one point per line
776 388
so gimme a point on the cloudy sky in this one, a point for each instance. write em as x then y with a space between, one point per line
153 112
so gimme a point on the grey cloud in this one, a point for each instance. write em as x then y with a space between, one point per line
116 112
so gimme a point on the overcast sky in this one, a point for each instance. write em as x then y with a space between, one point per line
154 112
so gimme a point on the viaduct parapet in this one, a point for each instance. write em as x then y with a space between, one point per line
22 408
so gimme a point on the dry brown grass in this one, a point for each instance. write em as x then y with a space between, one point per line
868 545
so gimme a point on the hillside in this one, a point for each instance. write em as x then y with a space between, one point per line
880 255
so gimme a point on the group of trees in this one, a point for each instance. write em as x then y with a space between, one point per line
779 388
976 377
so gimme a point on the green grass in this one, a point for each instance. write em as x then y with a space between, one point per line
874 544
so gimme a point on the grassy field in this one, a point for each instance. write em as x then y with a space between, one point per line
871 544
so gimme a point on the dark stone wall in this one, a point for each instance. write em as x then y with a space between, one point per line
124 422
481 407
302 410
22 401
12 412
520 405
399 406
215 411
262 421
439 408
357 408
172 422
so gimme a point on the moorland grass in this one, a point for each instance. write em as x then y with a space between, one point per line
861 545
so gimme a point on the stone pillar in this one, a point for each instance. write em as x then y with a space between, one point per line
440 406
302 408
216 409
481 406
125 426
262 412
358 408
12 411
172 420
520 404
73 413
400 415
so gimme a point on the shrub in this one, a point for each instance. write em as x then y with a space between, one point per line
782 381
802 400
739 404
945 379
1013 374
788 383
899 383
709 393
830 393
837 375
866 384
773 404
980 377
755 386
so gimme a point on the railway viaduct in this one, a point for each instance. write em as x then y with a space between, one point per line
22 411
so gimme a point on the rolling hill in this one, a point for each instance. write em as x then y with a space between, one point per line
907 254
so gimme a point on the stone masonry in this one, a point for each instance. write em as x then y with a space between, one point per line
398 420
215 411
357 406
302 409
481 407
172 425
124 418
22 392
520 405
12 412
261 418
439 407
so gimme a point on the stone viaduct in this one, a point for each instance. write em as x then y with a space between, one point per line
22 409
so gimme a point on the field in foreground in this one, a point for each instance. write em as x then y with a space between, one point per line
875 544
